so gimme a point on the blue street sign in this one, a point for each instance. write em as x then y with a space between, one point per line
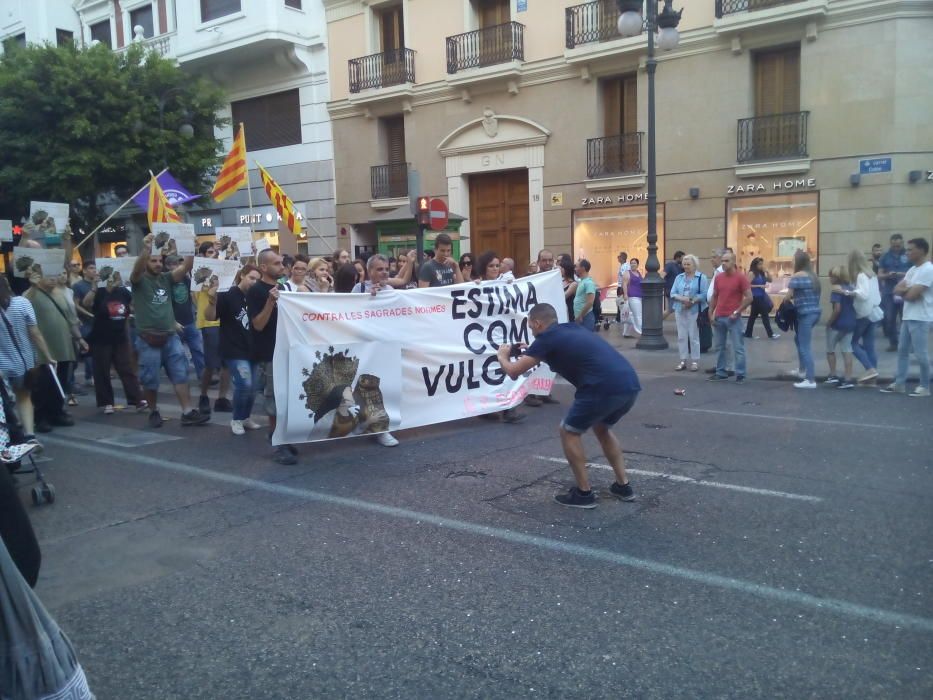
867 166
521 5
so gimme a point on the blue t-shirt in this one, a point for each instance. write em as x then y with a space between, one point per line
585 360
845 323
893 262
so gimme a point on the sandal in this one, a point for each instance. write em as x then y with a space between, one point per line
681 367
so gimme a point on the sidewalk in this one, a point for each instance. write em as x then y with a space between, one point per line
766 359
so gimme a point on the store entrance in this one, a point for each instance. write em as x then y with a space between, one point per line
499 216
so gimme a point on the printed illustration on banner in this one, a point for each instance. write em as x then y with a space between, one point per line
234 242
344 390
44 262
173 239
116 269
206 270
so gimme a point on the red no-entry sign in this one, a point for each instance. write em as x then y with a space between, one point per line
439 214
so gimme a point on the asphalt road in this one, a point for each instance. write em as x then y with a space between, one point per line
780 547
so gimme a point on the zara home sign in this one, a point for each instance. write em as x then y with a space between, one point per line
628 198
807 183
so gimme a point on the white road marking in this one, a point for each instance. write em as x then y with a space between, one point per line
797 419
698 482
840 607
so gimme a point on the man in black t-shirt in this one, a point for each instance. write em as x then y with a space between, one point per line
607 387
110 344
263 315
231 309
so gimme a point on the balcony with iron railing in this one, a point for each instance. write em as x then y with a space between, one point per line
389 181
741 15
610 156
382 70
773 137
490 46
591 22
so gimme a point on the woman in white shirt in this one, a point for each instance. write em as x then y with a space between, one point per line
868 314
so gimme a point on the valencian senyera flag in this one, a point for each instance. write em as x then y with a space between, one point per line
233 173
159 211
175 192
283 205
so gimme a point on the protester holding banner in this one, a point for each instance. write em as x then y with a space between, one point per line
607 387
110 344
158 344
442 270
346 278
261 300
377 277
229 309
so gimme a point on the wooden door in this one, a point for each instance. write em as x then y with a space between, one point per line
495 37
499 216
392 35
777 91
620 104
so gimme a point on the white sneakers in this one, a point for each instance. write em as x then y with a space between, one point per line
239 427
805 384
386 440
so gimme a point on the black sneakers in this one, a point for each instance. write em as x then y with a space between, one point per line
155 419
194 417
575 498
283 455
223 405
204 405
623 491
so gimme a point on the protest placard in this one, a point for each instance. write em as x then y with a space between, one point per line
49 218
205 269
173 239
234 242
6 231
117 269
357 364
44 261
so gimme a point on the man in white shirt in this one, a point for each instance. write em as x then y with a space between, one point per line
916 320
506 271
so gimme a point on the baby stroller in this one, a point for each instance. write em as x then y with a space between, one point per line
608 308
14 448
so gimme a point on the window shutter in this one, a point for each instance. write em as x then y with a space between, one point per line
271 120
612 107
629 104
393 36
395 139
777 82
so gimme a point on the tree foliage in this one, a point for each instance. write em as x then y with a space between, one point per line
79 124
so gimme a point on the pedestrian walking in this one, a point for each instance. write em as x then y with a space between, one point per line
804 292
631 295
917 291
584 297
759 278
892 267
731 296
867 298
839 327
688 300
607 387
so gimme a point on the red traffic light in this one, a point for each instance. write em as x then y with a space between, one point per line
424 203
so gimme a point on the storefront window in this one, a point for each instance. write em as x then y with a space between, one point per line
773 227
599 235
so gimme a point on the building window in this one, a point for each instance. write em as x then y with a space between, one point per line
777 81
142 17
599 235
296 4
620 105
391 28
490 13
214 9
14 41
64 38
773 227
271 120
101 32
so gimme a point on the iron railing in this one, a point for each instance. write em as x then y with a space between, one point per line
592 22
393 67
773 137
389 181
614 155
730 7
486 47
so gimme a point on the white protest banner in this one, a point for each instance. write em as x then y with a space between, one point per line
205 269
49 217
48 262
6 231
118 269
234 242
260 245
173 239
351 364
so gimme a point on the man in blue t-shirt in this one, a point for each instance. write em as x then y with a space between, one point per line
607 387
892 267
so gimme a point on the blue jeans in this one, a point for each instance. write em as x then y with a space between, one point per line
804 342
889 322
863 343
589 321
724 326
171 356
191 336
914 336
242 373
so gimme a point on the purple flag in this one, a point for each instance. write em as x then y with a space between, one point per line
175 193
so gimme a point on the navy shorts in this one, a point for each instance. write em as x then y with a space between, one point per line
606 410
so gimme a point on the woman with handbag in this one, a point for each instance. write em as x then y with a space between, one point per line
868 314
688 296
19 339
759 278
631 292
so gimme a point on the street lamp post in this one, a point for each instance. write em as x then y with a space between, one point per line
665 24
